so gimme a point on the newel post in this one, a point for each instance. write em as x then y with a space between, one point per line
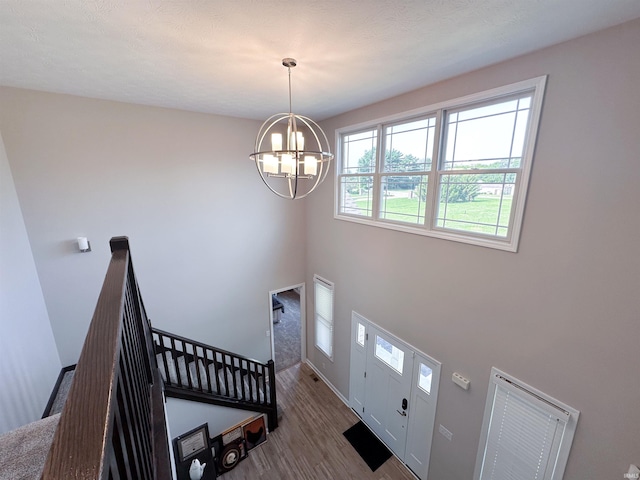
119 243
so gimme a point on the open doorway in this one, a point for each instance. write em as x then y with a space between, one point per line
287 326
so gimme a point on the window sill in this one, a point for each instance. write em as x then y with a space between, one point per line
480 241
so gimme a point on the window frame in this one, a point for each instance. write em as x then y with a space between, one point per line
318 280
537 400
429 228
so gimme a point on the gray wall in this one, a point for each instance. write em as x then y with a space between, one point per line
30 362
184 415
562 313
208 239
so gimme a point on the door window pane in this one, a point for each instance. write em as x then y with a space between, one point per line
361 332
424 378
389 354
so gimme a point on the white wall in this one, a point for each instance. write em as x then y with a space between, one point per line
562 313
208 239
184 415
30 364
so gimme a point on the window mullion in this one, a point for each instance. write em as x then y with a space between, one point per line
377 177
434 180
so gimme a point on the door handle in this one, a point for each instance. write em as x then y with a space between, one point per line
404 414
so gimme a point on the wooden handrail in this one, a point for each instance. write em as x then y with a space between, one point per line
107 425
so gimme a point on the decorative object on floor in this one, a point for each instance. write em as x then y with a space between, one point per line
298 158
231 455
254 432
372 450
196 470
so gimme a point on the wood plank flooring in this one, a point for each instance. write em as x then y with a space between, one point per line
309 443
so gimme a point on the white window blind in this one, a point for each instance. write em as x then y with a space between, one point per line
526 434
324 315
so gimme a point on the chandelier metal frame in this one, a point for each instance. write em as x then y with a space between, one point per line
289 169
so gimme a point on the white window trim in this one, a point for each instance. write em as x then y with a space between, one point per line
330 286
511 243
499 377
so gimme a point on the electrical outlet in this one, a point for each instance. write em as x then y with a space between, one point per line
268 333
445 432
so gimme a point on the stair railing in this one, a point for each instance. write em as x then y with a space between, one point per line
194 370
113 422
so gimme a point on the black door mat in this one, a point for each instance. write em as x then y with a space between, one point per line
372 450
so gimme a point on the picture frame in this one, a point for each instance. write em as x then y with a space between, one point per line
190 444
254 432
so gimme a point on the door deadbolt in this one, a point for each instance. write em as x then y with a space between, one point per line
404 403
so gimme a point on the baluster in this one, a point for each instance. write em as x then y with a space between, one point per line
164 358
186 363
225 372
174 355
216 369
205 364
250 381
196 365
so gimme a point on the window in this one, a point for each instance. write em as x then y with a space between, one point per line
389 354
361 334
424 378
323 293
458 170
525 433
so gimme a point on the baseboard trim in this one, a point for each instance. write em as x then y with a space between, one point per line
327 382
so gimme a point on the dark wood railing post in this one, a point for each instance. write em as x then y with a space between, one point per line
273 415
119 243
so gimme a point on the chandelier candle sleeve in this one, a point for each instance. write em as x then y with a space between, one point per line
310 165
288 165
276 142
299 146
270 163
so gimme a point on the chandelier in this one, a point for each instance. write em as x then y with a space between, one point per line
292 152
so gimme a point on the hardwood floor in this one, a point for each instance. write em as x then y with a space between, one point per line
309 443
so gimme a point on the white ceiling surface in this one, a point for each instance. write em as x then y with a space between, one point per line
224 57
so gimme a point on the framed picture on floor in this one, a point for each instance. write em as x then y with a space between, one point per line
254 432
192 442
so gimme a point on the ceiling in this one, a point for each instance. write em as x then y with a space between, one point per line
224 57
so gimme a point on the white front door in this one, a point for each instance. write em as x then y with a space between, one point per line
388 388
384 373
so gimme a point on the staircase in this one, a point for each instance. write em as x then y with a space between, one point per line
194 371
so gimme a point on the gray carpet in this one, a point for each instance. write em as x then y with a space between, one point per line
63 391
286 333
23 451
